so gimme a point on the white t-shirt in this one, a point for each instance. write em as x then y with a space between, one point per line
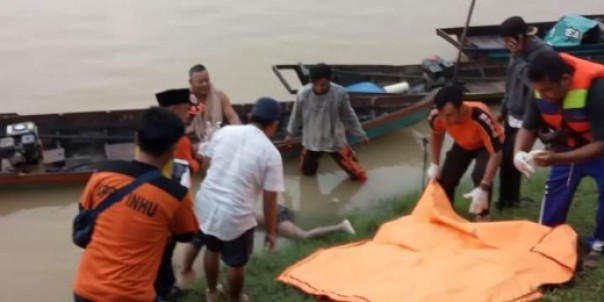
244 162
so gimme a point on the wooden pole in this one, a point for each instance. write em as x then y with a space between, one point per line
463 40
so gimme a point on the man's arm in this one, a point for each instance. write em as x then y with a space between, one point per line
531 122
437 136
227 109
525 139
350 118
273 183
270 212
184 151
492 167
492 139
184 224
205 165
295 119
436 146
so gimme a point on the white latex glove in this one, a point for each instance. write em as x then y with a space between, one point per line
185 179
433 172
180 169
480 200
524 163
201 148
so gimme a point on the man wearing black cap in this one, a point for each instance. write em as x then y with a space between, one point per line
177 101
180 169
242 165
523 45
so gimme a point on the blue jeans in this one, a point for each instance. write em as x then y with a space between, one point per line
560 188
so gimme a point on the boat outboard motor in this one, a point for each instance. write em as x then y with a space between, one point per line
20 146
437 71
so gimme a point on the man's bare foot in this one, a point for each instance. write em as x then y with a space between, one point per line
214 296
188 276
347 227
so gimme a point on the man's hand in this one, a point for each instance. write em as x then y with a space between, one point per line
270 241
544 158
289 140
514 47
523 161
365 141
480 200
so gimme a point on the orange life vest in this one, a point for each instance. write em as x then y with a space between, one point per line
572 113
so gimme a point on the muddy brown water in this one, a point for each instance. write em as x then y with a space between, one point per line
63 56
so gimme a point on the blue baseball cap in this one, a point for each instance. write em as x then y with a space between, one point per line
267 109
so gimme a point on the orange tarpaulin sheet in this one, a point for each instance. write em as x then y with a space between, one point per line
435 255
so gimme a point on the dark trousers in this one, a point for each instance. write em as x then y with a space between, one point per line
344 157
456 164
165 276
560 188
509 176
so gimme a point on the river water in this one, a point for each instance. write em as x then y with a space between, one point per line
63 56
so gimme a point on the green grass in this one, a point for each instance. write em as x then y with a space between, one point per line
264 268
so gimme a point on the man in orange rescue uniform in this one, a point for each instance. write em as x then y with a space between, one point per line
477 136
121 261
569 99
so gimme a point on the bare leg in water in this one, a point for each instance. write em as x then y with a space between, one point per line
289 230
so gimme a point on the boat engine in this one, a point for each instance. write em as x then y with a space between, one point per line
20 147
437 71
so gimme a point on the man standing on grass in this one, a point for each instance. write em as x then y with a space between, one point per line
569 99
242 165
523 44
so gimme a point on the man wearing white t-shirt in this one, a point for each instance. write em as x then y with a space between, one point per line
242 165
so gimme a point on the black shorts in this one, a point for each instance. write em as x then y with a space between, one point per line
234 253
197 241
283 214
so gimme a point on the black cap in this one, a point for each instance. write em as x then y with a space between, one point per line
173 97
267 109
515 26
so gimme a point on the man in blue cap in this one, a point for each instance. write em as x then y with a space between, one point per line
242 165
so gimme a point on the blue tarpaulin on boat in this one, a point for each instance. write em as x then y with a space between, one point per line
569 31
365 87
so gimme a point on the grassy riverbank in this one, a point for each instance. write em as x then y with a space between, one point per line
263 268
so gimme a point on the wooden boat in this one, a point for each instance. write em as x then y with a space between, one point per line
75 144
484 42
483 81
